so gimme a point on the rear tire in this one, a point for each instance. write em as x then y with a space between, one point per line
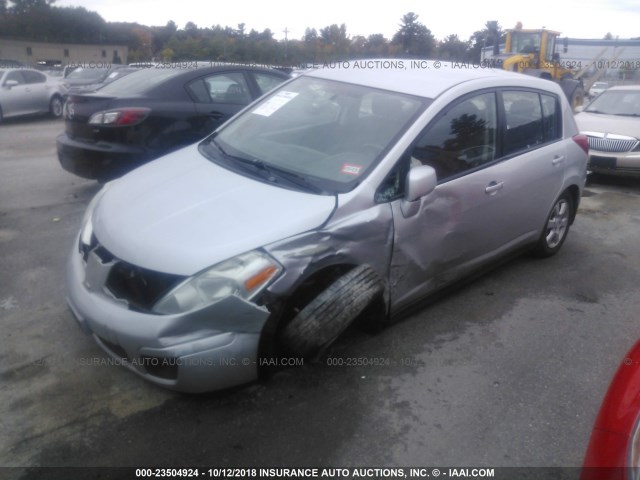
319 323
556 227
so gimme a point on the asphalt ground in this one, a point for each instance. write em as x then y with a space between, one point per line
506 371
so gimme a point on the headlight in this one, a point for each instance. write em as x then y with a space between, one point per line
86 227
244 276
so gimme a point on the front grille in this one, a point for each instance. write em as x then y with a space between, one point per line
140 287
613 145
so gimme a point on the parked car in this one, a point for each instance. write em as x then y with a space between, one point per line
152 112
344 194
612 125
25 91
597 88
8 63
614 447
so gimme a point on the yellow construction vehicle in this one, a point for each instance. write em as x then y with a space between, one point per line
533 52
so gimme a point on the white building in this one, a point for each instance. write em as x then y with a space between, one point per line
53 54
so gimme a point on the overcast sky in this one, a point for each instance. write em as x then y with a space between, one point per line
574 18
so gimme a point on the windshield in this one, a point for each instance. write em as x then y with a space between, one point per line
329 133
616 102
525 42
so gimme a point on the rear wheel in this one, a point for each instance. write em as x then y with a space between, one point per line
55 107
557 227
325 317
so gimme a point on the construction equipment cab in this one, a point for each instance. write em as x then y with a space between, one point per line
533 52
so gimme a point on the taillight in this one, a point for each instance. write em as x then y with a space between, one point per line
120 116
582 141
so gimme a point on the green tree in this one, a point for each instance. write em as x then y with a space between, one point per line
413 37
334 42
492 35
377 45
452 48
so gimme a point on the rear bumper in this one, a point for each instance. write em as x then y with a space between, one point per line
623 164
98 161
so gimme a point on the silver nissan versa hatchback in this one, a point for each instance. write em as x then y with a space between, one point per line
347 193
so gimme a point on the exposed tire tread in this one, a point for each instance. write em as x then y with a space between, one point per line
318 324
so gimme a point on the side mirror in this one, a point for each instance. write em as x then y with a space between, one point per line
578 109
11 83
421 181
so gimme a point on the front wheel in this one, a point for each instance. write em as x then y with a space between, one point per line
319 323
55 107
557 227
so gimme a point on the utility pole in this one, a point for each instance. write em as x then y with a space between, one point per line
286 43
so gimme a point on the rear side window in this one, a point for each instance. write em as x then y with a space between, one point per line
531 119
463 138
228 88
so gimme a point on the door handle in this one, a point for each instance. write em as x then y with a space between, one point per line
493 187
557 159
215 114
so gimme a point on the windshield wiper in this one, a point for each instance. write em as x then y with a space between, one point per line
629 114
275 174
213 140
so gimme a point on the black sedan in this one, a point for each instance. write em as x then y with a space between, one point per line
152 112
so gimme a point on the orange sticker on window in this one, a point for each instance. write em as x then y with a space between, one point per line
350 169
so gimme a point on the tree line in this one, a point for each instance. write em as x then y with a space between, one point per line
41 20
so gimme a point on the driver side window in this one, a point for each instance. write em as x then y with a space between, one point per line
461 139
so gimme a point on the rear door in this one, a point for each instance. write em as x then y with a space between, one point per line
534 157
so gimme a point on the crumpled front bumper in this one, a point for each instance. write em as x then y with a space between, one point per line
203 350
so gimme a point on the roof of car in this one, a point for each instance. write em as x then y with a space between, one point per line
425 78
625 87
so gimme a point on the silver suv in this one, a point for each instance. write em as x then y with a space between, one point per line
347 193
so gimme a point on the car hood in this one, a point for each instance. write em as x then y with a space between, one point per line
616 124
182 213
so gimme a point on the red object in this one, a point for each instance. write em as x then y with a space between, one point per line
582 141
608 454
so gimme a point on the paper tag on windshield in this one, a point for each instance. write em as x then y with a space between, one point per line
275 103
350 169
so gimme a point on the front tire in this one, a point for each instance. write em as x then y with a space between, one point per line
323 319
556 228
